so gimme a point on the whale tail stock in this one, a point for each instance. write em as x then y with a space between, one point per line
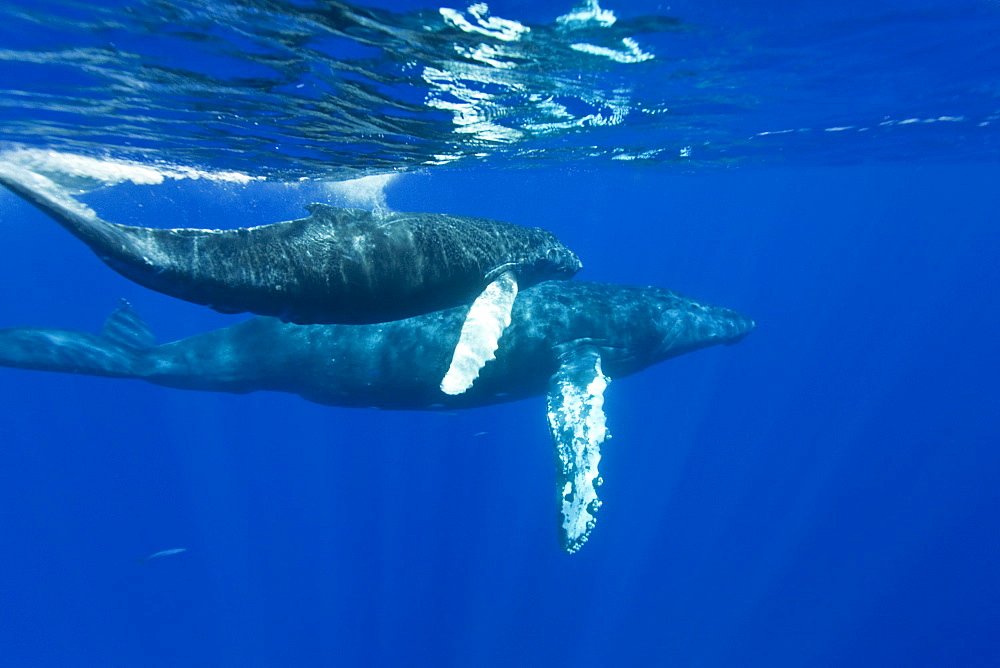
117 352
53 200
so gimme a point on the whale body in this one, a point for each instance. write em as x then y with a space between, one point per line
567 341
338 265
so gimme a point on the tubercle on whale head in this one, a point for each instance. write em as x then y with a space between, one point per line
546 259
740 326
561 262
541 256
694 326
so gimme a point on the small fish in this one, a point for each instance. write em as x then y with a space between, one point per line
162 553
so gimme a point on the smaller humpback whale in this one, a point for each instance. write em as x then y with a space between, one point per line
345 266
567 341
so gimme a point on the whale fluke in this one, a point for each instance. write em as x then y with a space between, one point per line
124 326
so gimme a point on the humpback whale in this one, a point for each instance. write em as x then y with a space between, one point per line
344 266
567 340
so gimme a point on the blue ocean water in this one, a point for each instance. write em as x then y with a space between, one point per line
822 494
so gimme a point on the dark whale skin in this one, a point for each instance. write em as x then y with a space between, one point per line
395 365
348 266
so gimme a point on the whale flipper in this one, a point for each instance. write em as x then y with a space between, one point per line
488 317
575 404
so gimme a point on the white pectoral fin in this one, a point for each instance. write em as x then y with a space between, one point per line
576 421
487 319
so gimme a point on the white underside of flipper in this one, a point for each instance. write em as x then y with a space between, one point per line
488 317
576 421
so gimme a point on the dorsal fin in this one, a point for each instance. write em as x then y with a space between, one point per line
337 213
364 219
126 328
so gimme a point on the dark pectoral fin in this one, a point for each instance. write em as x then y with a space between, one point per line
576 420
487 319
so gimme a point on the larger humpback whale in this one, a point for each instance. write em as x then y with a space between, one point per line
335 266
568 339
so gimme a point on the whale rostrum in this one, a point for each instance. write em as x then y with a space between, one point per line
567 340
338 265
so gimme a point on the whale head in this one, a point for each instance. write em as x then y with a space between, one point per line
657 324
544 258
685 325
633 327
